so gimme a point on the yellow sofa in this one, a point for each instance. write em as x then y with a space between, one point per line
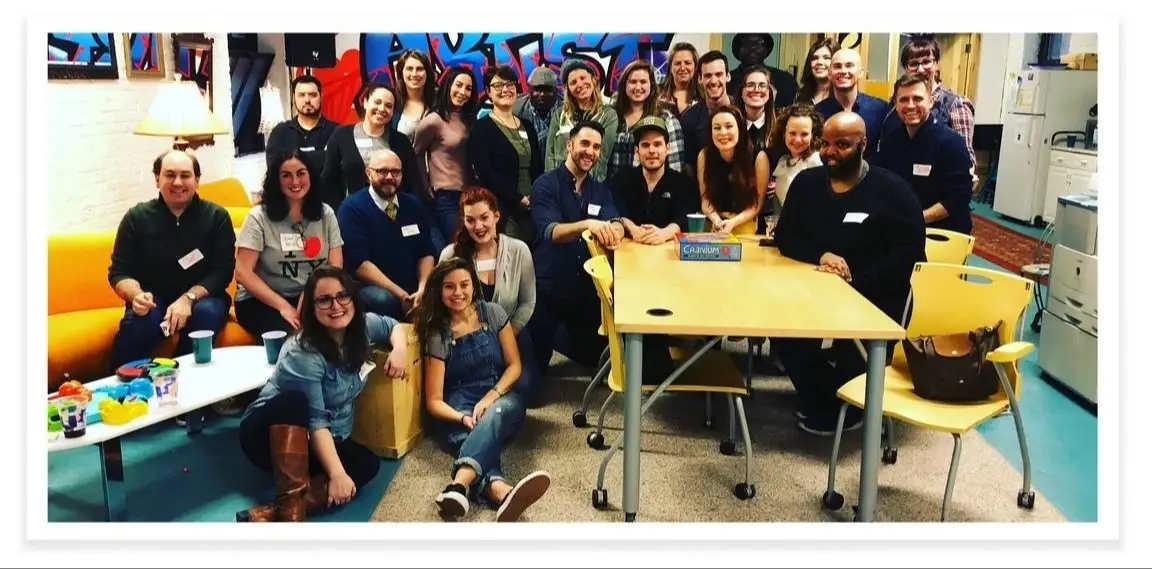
84 312
228 193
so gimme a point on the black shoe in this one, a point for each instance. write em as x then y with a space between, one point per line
452 502
824 423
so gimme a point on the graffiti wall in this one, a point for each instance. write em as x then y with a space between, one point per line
373 58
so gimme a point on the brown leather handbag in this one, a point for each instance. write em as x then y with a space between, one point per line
951 367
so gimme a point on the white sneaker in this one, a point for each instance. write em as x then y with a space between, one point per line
452 502
525 493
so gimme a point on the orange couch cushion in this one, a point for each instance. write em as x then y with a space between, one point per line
78 272
228 192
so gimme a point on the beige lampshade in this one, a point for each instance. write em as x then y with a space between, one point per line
180 110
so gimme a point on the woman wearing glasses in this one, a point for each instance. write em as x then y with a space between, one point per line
281 240
298 428
505 154
471 364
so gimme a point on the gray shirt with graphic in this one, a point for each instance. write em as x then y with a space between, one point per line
289 251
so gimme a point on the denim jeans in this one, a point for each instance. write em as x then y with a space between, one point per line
378 300
527 386
446 209
138 336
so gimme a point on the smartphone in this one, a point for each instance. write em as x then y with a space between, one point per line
767 242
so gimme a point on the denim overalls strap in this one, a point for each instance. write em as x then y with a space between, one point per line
474 364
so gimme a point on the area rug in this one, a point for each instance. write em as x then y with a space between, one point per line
1004 246
686 479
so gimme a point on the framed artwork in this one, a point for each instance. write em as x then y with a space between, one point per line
193 54
82 56
142 57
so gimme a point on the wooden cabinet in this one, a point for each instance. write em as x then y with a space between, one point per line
1069 171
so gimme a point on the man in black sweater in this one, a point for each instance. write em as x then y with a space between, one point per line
171 264
307 132
863 224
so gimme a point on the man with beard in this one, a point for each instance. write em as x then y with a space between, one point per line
863 224
751 50
697 119
537 105
308 132
387 242
565 202
654 200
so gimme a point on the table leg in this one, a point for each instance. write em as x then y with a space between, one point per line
194 421
112 478
873 425
633 362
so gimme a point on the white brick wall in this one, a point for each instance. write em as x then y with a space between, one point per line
97 168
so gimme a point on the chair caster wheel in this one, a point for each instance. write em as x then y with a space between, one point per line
629 517
745 491
832 500
596 440
708 423
579 420
727 447
889 456
600 498
1026 499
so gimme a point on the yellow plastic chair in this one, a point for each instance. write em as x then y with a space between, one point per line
943 246
946 299
705 371
580 416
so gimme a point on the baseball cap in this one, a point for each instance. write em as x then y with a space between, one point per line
542 76
650 122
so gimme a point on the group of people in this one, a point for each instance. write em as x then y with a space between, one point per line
471 230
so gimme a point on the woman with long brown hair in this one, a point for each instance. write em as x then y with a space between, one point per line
416 93
733 181
680 88
583 101
757 100
636 99
815 84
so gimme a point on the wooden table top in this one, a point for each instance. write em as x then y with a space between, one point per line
763 295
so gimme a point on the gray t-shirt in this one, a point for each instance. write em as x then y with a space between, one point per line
490 313
289 251
366 144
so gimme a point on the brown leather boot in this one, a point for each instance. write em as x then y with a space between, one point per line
315 499
289 472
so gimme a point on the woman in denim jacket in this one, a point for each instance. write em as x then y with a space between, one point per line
471 363
297 429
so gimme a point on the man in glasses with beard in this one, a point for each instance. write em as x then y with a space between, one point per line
863 224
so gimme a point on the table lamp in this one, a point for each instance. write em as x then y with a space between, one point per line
180 111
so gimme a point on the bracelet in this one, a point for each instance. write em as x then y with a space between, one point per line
462 417
498 392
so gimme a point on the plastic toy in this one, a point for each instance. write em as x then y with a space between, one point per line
116 413
74 389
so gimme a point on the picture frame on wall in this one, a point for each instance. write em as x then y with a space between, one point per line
143 55
82 56
193 53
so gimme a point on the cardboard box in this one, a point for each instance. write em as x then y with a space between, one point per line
388 413
1081 61
709 247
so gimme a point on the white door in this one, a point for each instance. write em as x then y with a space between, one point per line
1016 181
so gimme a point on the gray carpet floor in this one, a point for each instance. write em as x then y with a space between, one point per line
685 478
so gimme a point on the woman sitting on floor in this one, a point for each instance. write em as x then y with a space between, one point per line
470 365
507 275
298 427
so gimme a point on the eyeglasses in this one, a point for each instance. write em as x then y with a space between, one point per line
920 63
501 85
756 86
385 172
325 302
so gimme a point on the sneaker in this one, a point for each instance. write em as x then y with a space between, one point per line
452 502
824 424
228 407
525 493
801 415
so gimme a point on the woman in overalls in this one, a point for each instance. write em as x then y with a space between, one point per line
471 363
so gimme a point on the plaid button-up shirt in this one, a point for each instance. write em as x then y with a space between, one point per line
958 113
624 153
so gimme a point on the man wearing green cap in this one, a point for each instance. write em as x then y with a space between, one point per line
653 200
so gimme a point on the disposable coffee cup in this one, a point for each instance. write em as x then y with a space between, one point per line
166 385
273 342
202 345
73 416
695 223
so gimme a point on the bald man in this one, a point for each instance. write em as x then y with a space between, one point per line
171 264
387 239
857 222
845 74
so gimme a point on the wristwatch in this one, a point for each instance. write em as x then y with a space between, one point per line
191 297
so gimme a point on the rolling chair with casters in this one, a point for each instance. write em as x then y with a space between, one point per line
706 371
580 416
950 299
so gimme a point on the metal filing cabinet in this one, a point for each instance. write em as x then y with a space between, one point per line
1068 338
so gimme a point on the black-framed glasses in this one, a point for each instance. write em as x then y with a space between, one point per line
498 86
385 172
324 302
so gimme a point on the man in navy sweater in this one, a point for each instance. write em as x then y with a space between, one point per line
847 96
565 202
930 156
863 224
387 242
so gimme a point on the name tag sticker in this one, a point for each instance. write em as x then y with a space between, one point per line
410 230
921 169
363 143
307 148
593 209
366 369
191 259
486 265
564 129
855 217
291 242
523 134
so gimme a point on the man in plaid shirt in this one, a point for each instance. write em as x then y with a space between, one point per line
537 105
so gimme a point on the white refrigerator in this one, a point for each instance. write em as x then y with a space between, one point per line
1042 102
